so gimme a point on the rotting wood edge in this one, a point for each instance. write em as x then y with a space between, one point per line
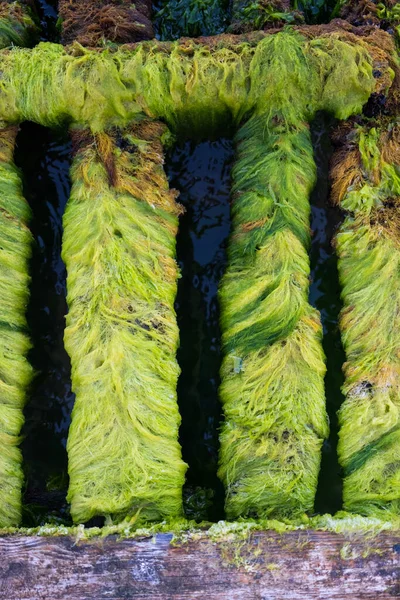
267 565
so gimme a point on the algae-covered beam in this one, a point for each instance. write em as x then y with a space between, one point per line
15 371
366 184
101 22
273 371
193 86
119 249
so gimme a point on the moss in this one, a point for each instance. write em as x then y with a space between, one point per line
15 371
369 267
119 249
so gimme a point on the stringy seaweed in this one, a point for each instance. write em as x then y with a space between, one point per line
119 248
367 186
121 336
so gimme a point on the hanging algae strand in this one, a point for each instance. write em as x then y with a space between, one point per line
366 184
15 371
119 248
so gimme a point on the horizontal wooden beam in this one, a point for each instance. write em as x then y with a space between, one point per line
302 565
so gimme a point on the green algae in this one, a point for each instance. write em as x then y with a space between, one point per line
274 406
354 527
192 86
15 371
273 370
119 249
369 266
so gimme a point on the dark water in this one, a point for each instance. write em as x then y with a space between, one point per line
47 11
325 296
44 157
202 174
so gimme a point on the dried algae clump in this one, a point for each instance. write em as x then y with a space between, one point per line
15 371
366 175
122 336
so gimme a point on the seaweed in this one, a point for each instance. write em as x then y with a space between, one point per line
15 371
119 249
366 183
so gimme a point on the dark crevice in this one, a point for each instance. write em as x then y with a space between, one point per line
44 158
325 296
316 11
47 11
202 175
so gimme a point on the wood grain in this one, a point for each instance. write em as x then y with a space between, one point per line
302 565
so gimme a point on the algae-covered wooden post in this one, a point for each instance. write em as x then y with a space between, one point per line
366 183
16 28
119 249
273 370
15 371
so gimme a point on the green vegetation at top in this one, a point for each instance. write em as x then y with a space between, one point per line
194 87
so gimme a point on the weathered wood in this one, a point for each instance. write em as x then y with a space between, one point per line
302 565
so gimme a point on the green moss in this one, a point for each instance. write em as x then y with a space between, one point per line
369 268
15 371
119 248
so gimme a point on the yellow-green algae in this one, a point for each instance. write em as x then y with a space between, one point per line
15 371
192 86
272 387
369 268
181 530
119 249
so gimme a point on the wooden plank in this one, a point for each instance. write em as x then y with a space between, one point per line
302 565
